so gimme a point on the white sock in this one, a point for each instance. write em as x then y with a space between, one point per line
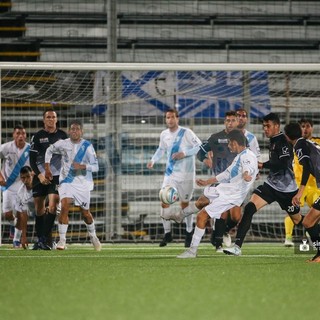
189 223
63 228
197 236
17 234
166 225
190 209
91 229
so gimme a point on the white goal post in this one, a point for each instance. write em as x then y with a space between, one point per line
122 105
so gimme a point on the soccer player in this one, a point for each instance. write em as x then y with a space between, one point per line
181 146
216 155
254 147
311 191
15 155
24 204
280 185
308 154
233 186
78 162
45 190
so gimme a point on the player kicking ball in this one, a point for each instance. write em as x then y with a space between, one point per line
233 185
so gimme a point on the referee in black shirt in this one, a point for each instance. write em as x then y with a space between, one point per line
45 192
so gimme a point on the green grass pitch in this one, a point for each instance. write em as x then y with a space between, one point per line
144 281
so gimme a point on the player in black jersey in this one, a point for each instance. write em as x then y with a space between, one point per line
280 185
308 154
43 189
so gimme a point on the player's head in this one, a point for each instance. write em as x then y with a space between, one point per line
75 130
242 118
172 119
271 124
293 131
19 135
50 119
307 127
238 136
26 176
231 121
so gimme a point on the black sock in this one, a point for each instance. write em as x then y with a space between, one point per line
219 227
314 233
230 224
39 226
49 223
245 223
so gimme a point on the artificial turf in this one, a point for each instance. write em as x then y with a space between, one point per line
139 281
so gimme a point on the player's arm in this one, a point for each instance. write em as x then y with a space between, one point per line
49 153
156 157
2 180
92 163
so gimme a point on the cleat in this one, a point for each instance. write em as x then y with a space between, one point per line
227 240
188 239
188 254
43 246
36 246
61 245
234 251
54 245
96 243
288 243
166 239
16 245
219 250
175 216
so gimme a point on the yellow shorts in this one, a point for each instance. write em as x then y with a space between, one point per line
310 195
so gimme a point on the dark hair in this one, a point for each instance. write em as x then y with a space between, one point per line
293 130
18 127
48 110
306 120
175 111
76 122
25 169
230 113
238 136
272 117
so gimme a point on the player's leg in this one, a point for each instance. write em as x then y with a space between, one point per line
219 230
256 203
89 221
311 223
288 227
53 201
22 224
198 233
63 222
8 198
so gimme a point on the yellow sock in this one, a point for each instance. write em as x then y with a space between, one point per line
288 226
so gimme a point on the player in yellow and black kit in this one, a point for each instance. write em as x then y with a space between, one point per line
311 192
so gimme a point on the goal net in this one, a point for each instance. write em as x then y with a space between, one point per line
122 107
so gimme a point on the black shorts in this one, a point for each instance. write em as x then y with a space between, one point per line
267 193
42 190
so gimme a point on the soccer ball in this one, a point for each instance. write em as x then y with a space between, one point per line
168 195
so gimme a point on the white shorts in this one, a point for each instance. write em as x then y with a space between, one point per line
218 205
184 188
78 192
8 200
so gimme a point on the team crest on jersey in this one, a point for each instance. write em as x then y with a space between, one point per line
44 140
